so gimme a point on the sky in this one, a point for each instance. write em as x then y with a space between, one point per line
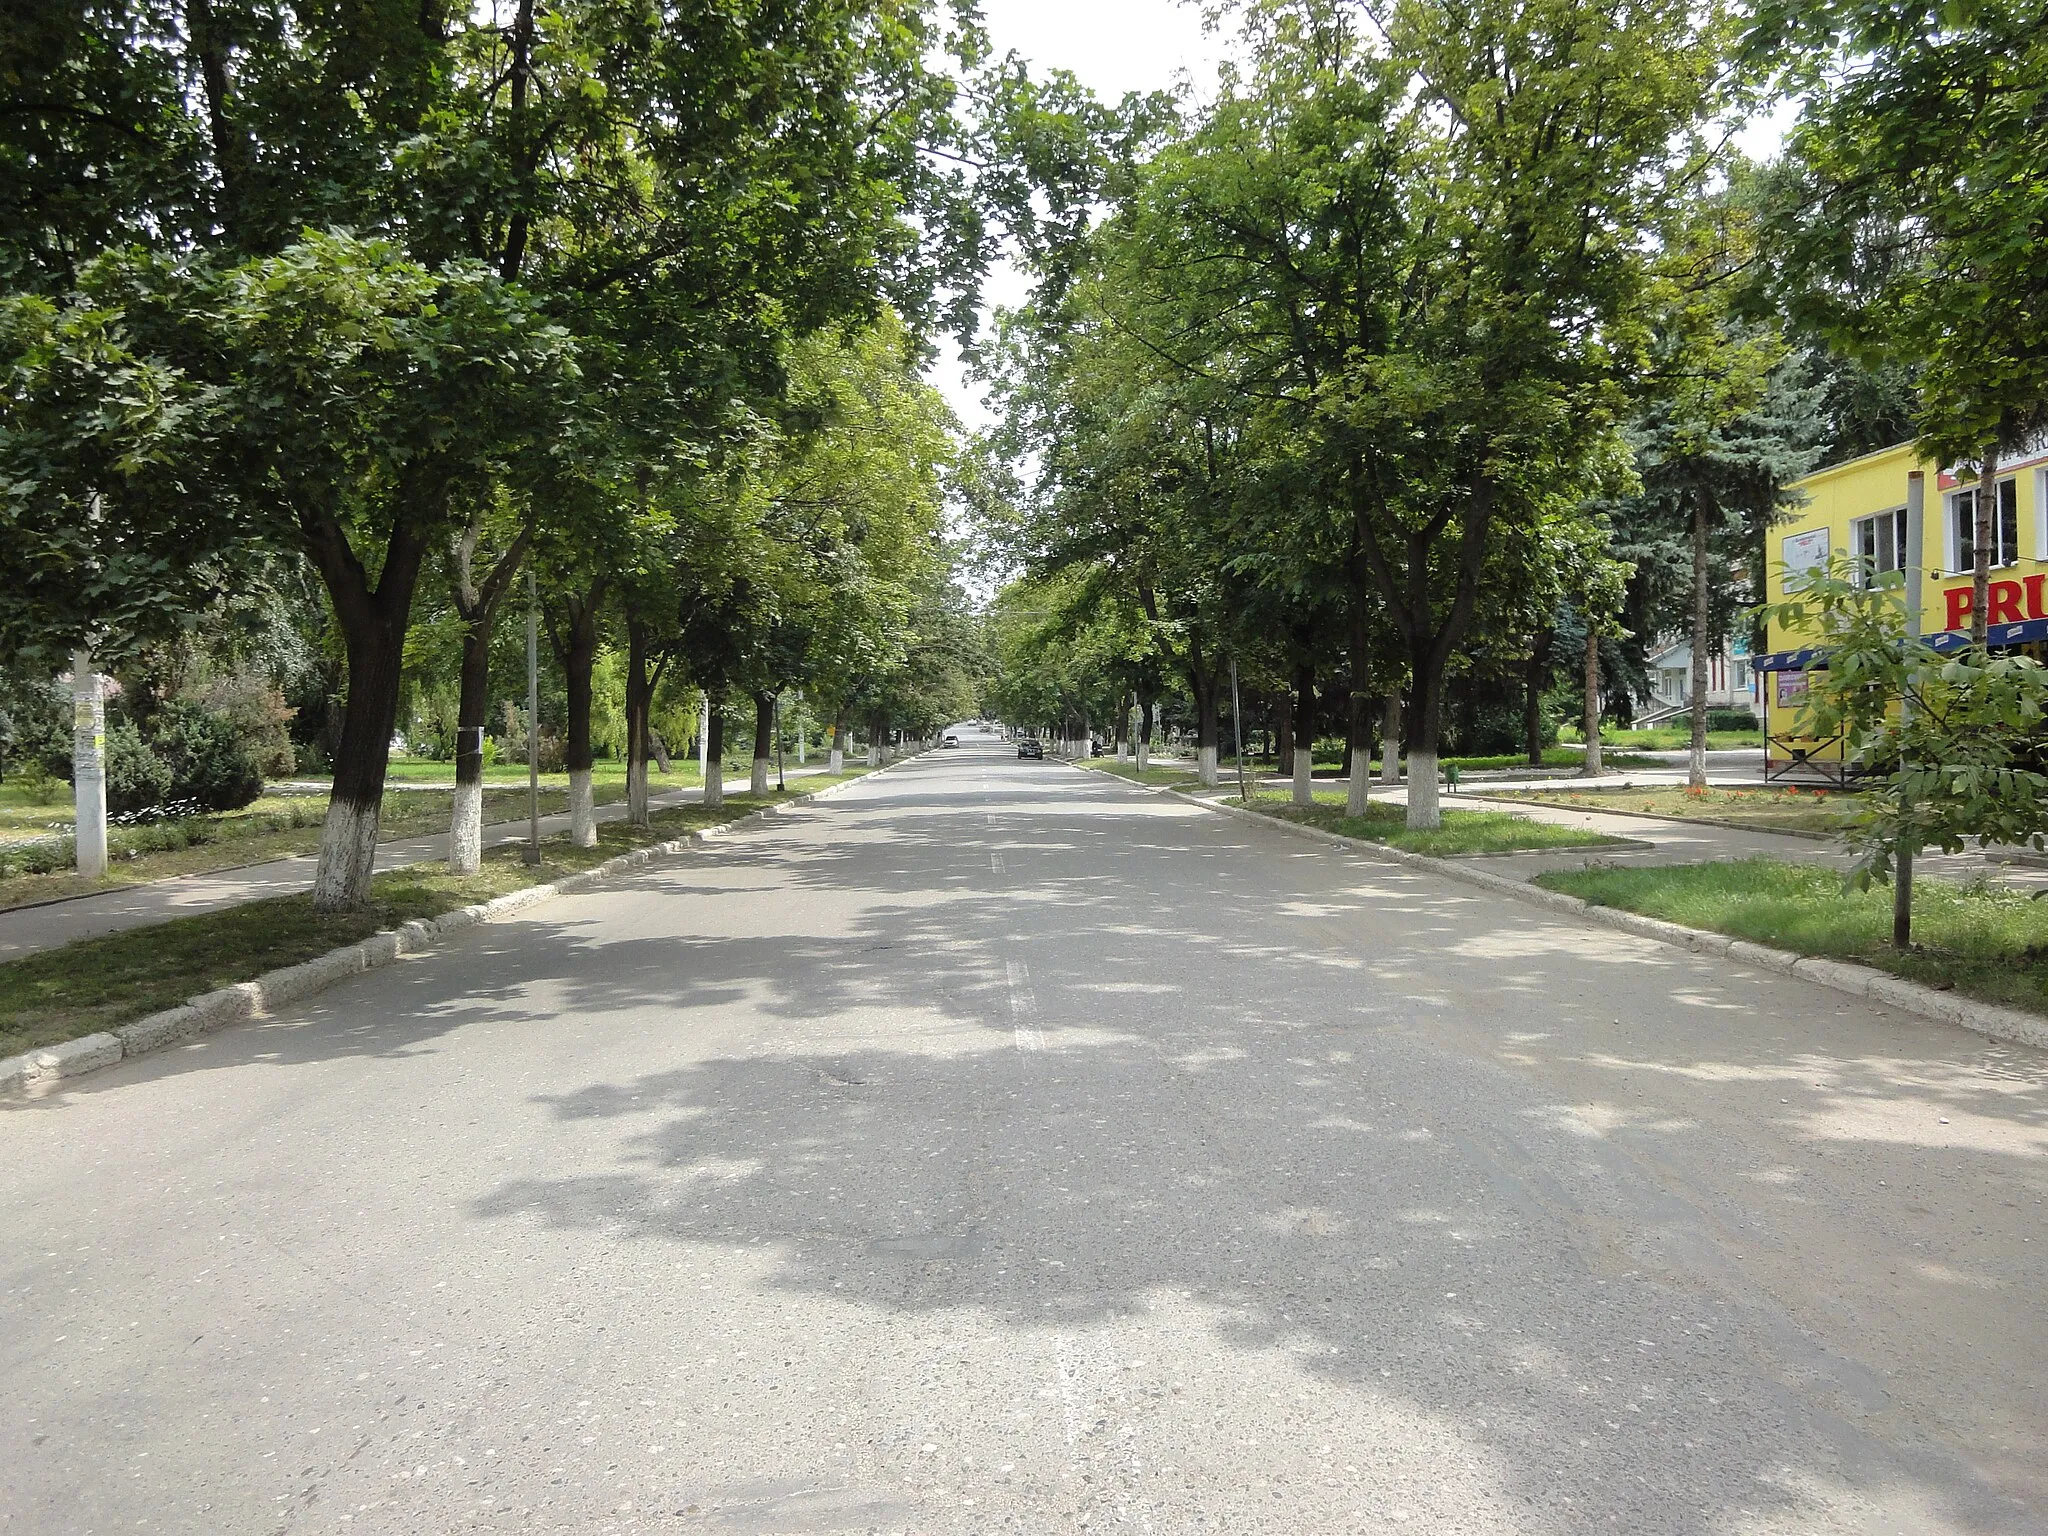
1112 46
1115 46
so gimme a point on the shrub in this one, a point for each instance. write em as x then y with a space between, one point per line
208 758
137 778
261 718
1731 720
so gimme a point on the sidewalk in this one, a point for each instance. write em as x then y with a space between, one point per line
28 929
1661 840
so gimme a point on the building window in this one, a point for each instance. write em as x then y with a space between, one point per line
1738 676
2005 527
1677 682
1878 544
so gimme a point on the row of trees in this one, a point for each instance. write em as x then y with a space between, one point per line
624 302
1450 352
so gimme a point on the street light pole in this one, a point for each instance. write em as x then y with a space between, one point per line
532 854
779 785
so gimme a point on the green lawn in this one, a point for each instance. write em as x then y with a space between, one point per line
1174 771
1463 832
1983 941
94 984
1668 738
1765 810
276 826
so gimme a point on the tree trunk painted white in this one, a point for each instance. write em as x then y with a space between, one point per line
466 830
1358 789
1144 755
836 763
351 833
874 754
703 734
758 784
1304 776
1424 815
1205 766
636 792
1696 760
582 809
1592 767
88 766
1390 740
714 782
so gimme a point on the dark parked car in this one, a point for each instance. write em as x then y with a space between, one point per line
1031 747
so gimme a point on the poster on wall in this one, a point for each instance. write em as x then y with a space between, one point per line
1791 689
1804 552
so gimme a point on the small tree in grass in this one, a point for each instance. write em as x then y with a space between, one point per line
1955 744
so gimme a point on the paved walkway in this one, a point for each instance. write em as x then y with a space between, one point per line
28 929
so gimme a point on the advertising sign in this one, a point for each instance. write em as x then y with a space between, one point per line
1804 552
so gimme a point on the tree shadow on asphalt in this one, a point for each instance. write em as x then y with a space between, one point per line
1243 1091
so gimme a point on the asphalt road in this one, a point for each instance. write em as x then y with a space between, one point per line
997 1147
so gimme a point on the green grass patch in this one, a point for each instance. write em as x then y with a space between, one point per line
1668 738
1762 810
1981 940
1171 773
274 827
61 994
1463 832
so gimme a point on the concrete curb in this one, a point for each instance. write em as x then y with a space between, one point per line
1862 981
34 1071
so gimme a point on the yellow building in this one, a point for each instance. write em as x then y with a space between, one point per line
1856 511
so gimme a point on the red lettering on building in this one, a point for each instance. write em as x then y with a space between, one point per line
1959 606
2006 597
2035 610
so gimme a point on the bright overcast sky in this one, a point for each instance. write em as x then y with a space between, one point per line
1115 46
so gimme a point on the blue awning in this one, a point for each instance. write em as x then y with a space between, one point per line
1815 657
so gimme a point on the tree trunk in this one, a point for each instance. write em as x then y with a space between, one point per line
1591 768
575 648
639 704
659 749
1144 734
1123 724
1425 721
1283 732
1358 721
1390 738
714 756
1304 765
466 819
372 623
764 743
1532 697
1696 764
1986 505
477 603
1208 724
836 763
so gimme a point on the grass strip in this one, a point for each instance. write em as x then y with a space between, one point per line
1462 833
1984 941
274 827
60 994
1761 810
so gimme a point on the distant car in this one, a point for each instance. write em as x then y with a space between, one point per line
1031 747
950 741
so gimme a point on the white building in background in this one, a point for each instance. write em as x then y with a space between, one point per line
1730 682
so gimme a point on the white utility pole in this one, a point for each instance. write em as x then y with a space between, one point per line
89 765
1916 546
703 736
532 854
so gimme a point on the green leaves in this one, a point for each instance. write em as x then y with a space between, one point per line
1961 762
